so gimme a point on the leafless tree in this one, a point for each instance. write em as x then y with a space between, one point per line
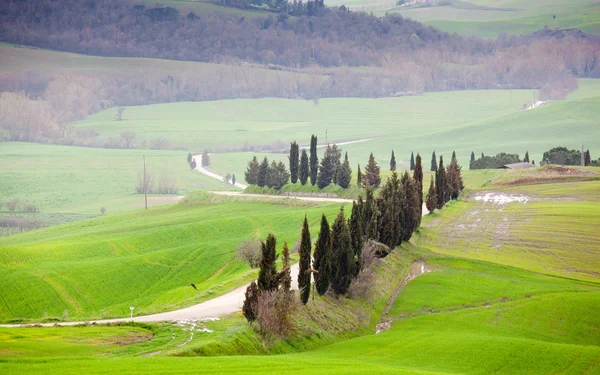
119 113
128 136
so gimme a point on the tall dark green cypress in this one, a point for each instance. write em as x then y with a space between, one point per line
314 160
410 208
342 255
441 184
304 271
252 171
393 162
294 161
267 275
322 258
412 161
344 173
304 170
472 160
431 201
359 178
263 171
418 177
368 211
390 199
453 155
356 235
434 165
286 277
526 159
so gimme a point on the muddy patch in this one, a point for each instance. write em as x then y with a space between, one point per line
501 199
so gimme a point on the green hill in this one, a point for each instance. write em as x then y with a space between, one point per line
100 267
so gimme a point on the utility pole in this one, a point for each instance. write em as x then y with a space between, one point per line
145 186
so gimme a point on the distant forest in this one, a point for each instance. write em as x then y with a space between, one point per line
331 53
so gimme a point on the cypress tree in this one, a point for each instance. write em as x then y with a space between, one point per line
322 258
482 155
250 307
472 156
587 158
372 178
344 173
327 169
286 272
342 255
233 179
390 204
433 162
267 275
263 170
455 182
393 162
441 184
252 171
294 161
418 177
368 210
189 158
412 161
359 178
410 208
526 159
314 160
453 156
356 235
431 201
205 159
304 170
304 271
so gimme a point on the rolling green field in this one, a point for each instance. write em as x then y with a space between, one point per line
508 288
76 181
99 267
490 18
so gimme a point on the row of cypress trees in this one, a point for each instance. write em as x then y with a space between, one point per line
273 175
448 184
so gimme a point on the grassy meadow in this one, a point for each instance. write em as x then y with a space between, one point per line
451 121
508 288
69 182
491 18
99 267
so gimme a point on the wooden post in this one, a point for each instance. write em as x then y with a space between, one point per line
145 186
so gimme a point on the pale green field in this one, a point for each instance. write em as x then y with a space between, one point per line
78 180
490 18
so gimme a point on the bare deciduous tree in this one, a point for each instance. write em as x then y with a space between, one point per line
119 113
128 137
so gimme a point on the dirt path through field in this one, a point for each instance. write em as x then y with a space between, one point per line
416 269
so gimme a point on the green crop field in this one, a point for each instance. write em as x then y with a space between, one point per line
509 288
490 18
71 182
100 267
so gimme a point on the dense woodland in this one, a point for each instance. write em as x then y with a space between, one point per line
334 53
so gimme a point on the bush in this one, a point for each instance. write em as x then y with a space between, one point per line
275 310
249 251
166 185
493 162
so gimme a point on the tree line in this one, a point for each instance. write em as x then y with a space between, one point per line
338 257
446 183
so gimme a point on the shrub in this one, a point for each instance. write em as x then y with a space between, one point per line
249 251
275 308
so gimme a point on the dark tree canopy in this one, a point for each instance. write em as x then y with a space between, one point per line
431 201
304 169
304 275
342 255
412 161
344 173
294 161
314 160
267 274
359 177
371 178
252 172
356 234
393 162
322 257
434 165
